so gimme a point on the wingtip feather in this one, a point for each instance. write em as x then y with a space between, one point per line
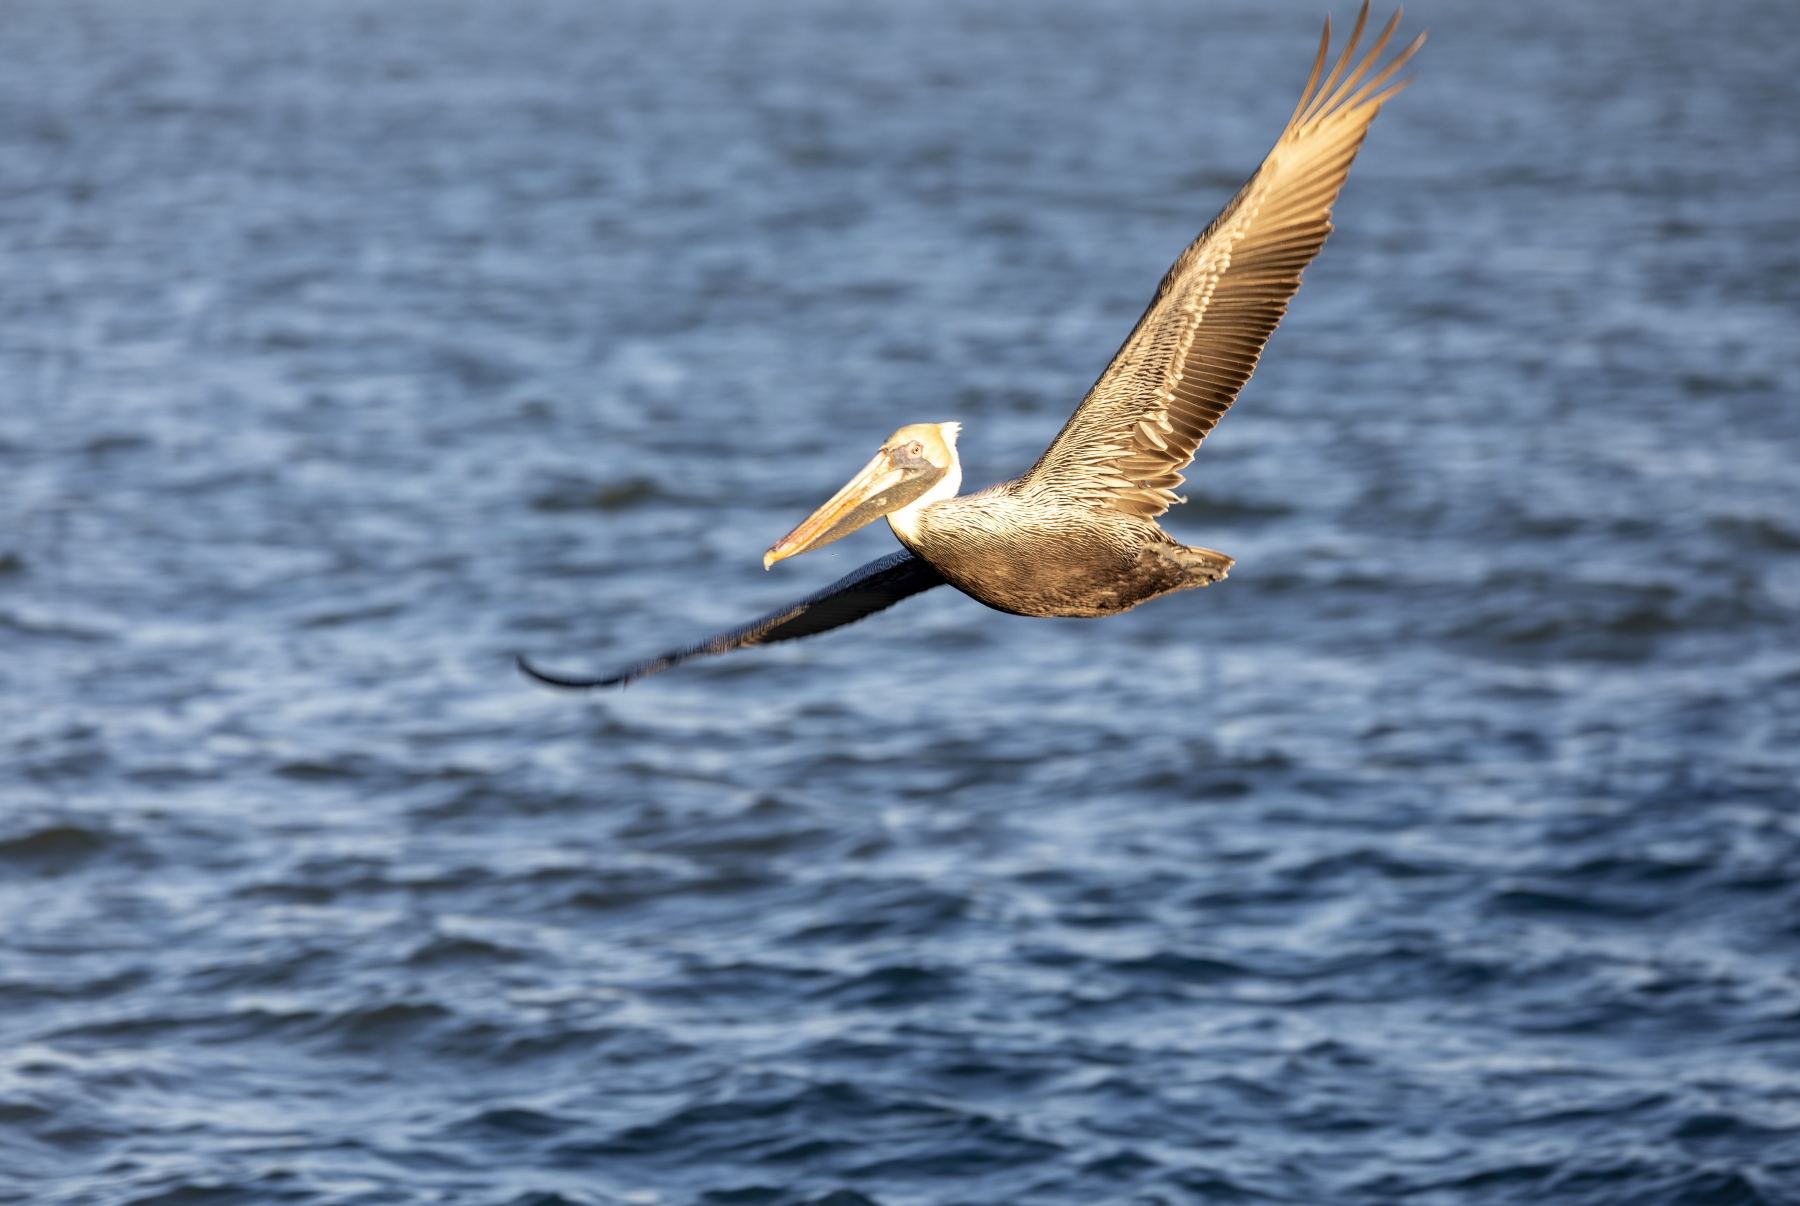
1361 99
573 684
1346 92
1306 93
1367 61
1337 68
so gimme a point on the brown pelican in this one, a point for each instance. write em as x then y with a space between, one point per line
1076 535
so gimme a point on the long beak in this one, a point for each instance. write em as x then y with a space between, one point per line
881 487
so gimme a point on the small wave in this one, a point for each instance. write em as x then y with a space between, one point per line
832 1128
512 1122
581 494
1181 969
1545 899
895 987
451 949
55 848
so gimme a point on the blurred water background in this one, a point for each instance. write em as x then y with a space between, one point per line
1447 853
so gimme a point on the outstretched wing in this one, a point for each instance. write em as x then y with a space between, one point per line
863 592
1199 341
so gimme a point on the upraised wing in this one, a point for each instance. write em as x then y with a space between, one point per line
874 587
1197 344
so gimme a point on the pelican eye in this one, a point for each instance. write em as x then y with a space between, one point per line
910 456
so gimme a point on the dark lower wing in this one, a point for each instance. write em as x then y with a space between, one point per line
863 592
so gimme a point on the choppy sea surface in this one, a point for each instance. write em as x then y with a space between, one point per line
1448 853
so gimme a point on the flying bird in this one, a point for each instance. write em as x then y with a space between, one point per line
1076 535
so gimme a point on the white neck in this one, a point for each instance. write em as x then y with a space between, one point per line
905 521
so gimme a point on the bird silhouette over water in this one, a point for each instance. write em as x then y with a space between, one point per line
1076 535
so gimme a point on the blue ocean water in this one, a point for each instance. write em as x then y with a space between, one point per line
1449 852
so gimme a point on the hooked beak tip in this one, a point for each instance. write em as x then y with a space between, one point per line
769 559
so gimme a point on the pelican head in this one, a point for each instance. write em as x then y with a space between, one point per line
917 466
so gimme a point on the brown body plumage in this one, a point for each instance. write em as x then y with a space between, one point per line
1076 535
1033 554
